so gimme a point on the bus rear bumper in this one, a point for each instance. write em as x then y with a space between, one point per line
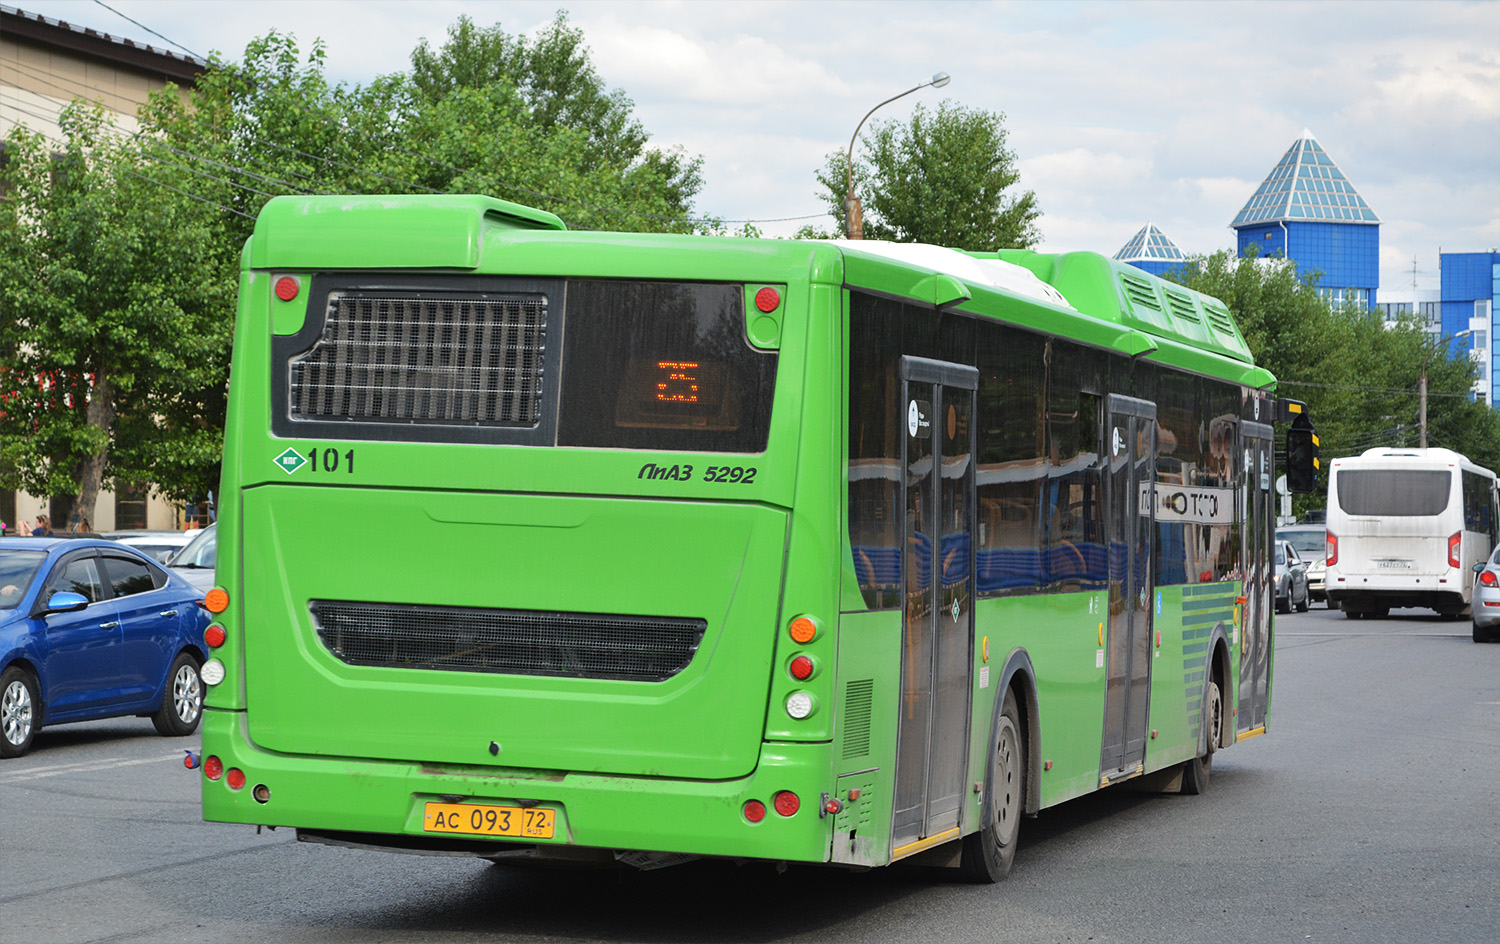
381 803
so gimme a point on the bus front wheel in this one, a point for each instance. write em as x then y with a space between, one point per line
989 853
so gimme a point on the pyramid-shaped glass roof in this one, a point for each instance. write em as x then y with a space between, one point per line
1306 186
1149 245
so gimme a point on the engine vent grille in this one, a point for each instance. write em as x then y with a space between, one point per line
425 358
513 642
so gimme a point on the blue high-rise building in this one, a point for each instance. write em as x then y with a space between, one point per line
1151 250
1309 212
1471 313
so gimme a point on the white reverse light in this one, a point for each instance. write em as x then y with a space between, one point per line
799 705
212 672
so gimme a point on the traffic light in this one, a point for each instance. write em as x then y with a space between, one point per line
1302 455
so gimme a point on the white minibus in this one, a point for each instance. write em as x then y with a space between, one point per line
1405 528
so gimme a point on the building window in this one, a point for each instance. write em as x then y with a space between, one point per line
130 507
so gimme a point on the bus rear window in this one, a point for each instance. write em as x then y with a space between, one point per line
662 365
1393 492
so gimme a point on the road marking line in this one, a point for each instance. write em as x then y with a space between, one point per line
91 767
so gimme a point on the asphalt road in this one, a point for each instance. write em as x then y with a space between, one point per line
1370 813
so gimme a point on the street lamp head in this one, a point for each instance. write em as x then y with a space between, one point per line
853 212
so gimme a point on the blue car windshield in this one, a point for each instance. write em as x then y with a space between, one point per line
16 570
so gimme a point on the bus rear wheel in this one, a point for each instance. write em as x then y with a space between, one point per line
1195 772
989 853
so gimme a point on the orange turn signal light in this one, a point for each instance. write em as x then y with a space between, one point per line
803 629
217 600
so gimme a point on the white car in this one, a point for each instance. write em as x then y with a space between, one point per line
159 545
195 562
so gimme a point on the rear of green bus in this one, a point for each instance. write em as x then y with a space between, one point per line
516 528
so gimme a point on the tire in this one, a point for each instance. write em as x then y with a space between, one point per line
1306 603
1195 772
1380 612
20 711
1483 635
1284 607
182 702
989 854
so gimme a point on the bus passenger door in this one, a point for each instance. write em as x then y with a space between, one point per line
1255 629
937 629
1130 477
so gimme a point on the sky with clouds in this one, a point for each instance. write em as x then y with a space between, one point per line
1119 112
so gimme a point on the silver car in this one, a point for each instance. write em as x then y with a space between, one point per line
1487 599
1311 542
1291 579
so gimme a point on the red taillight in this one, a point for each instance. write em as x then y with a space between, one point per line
235 778
755 811
1333 549
786 802
767 299
1455 549
286 288
213 768
801 668
1487 577
214 635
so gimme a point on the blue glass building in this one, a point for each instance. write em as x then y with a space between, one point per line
1470 298
1151 250
1309 212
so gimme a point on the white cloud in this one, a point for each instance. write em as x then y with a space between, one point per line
1120 112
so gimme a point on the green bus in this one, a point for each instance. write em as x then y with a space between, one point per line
537 543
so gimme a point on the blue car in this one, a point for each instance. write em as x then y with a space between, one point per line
93 629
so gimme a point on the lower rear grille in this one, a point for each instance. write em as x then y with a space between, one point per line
514 642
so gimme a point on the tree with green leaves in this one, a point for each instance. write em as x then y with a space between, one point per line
1358 374
112 322
527 120
945 177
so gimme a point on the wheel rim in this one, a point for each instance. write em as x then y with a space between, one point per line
1007 787
1215 720
15 712
187 694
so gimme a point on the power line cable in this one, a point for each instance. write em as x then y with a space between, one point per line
39 76
149 30
687 218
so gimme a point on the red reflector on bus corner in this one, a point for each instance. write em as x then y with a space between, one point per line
217 600
755 811
786 802
213 768
1455 549
235 778
767 299
214 635
286 288
801 668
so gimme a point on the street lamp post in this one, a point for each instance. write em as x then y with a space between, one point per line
854 222
1422 392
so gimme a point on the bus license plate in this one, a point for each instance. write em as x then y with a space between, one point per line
1394 564
475 820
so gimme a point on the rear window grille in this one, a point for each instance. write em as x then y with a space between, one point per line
512 642
428 358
